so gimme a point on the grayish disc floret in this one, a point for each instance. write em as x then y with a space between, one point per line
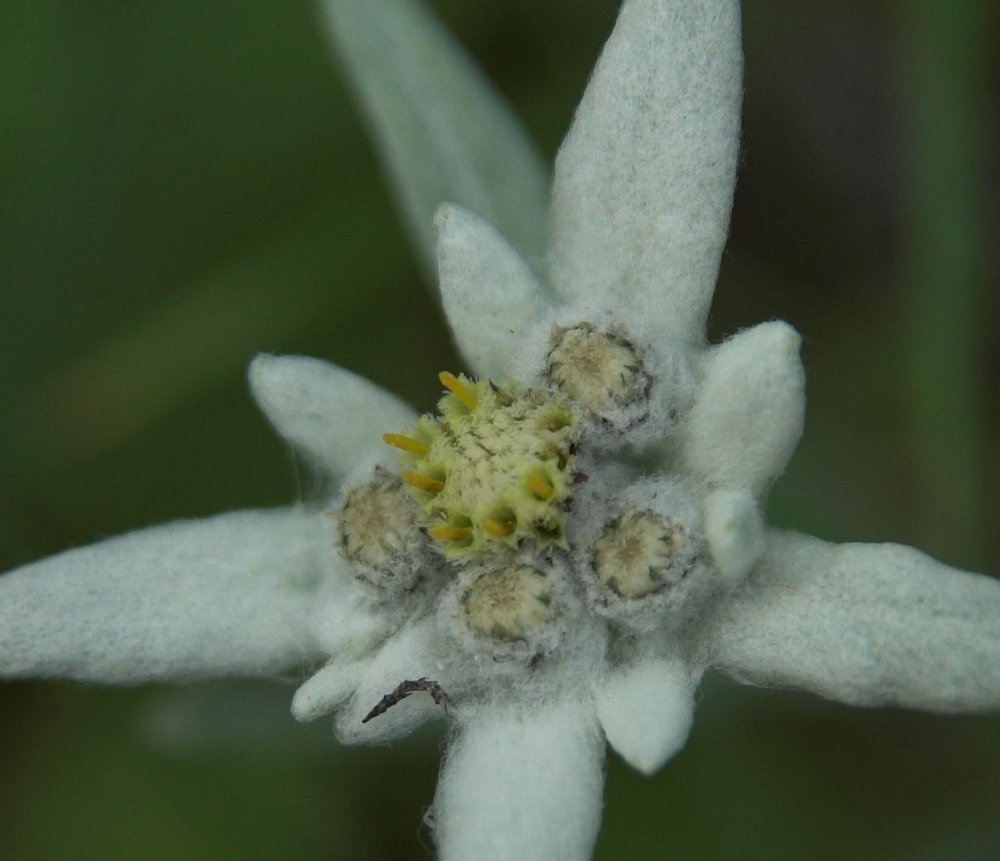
650 565
602 371
376 530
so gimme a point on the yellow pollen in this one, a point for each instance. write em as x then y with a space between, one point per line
423 482
539 486
499 528
495 462
451 533
406 443
461 391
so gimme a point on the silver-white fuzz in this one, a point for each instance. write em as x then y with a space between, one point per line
663 567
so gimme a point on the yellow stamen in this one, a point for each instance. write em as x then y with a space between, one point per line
451 533
499 528
406 443
423 482
459 389
539 486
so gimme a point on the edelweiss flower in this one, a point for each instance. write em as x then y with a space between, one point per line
555 556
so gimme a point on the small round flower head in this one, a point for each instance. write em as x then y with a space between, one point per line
641 553
648 563
377 530
493 468
508 604
602 371
511 607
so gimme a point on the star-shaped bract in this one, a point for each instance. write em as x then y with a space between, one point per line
639 211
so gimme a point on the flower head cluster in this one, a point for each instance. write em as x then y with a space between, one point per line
554 556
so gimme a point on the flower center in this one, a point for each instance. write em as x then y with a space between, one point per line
639 554
492 468
375 530
601 371
509 604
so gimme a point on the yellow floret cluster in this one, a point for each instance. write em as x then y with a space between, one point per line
493 468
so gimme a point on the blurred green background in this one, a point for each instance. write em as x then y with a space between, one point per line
185 184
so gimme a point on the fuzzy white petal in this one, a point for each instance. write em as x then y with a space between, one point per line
444 132
866 624
413 653
749 412
489 293
644 180
646 710
230 595
334 417
347 618
735 532
327 689
521 783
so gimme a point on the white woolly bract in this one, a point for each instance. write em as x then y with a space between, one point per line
415 652
865 624
490 295
334 417
646 709
327 689
644 180
641 203
521 782
348 619
444 132
748 414
228 596
735 532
